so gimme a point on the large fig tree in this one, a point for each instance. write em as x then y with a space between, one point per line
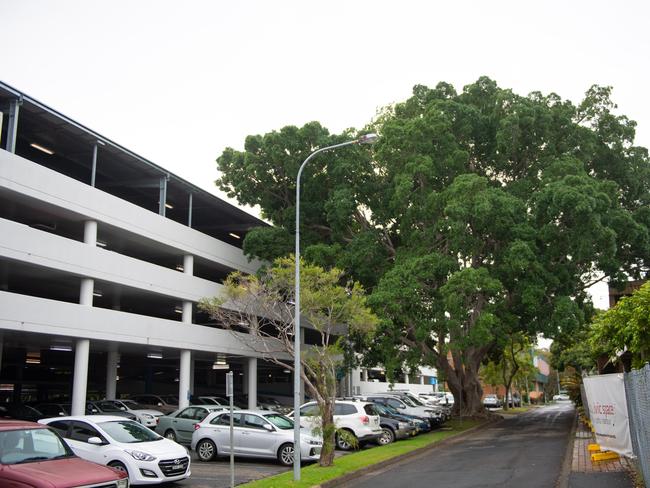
478 214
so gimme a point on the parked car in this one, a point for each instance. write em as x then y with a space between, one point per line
34 456
147 417
514 400
441 397
20 411
393 429
165 403
210 400
356 418
491 401
257 433
439 412
125 445
179 426
405 405
561 397
416 425
109 408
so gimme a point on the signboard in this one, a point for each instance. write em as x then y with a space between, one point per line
229 391
608 412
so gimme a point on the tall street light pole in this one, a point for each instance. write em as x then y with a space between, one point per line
366 139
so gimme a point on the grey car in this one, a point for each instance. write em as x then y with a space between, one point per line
179 425
256 433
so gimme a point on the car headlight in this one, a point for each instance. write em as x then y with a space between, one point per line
147 416
123 483
141 456
403 425
314 442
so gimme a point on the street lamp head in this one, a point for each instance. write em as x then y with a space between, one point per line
368 139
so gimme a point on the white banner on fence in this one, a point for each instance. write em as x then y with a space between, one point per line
608 412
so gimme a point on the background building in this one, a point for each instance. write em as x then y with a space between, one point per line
103 258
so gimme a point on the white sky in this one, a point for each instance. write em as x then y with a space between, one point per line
177 82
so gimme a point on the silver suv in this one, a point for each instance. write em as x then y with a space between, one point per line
356 418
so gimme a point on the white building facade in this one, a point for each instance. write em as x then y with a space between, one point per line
103 259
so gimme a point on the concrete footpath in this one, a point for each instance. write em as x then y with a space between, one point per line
584 473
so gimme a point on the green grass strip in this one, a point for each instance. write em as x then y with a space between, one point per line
314 475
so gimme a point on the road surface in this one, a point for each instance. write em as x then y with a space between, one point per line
523 451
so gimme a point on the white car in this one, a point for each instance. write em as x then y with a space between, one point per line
125 445
404 404
562 397
256 433
357 418
146 416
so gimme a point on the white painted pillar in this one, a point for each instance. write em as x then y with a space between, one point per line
188 264
111 373
86 292
364 374
192 366
251 382
406 378
90 232
187 312
421 379
80 380
184 379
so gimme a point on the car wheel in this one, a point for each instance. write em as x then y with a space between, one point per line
342 442
119 466
170 434
285 454
206 450
387 436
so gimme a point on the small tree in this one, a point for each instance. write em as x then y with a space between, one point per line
625 327
262 308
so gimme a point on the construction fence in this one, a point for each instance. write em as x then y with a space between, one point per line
637 393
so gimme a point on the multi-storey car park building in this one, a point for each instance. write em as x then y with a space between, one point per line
103 258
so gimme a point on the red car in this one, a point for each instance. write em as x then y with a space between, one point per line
34 456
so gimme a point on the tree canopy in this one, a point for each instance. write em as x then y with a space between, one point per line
477 214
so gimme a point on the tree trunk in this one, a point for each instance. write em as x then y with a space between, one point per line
466 387
328 433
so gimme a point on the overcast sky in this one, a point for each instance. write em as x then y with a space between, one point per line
177 82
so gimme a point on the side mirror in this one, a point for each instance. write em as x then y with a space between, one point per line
269 428
95 441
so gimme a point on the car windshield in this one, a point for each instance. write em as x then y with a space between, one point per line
110 407
381 408
170 399
415 400
31 445
408 401
130 404
128 431
280 421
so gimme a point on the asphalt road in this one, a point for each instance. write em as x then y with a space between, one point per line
527 450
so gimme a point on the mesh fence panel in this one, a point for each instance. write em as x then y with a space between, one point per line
637 392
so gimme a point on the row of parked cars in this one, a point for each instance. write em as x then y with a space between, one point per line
140 450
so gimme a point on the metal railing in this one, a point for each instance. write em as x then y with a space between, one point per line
637 392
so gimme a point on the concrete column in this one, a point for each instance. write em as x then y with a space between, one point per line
364 374
90 232
111 373
184 379
187 312
421 379
86 292
406 378
80 380
188 264
192 366
251 382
